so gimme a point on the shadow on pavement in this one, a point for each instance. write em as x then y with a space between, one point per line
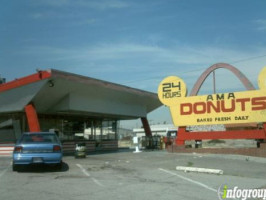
43 168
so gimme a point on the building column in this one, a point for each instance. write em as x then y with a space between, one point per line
32 118
180 136
146 126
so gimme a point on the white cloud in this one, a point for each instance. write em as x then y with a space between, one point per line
148 64
261 24
87 21
105 4
94 4
50 3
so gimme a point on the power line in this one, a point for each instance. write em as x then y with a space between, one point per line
195 70
247 59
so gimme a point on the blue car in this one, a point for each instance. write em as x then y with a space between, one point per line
37 148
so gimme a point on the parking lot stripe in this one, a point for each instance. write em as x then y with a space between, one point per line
4 171
189 180
83 170
87 174
97 182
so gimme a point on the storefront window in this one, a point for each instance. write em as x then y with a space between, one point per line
109 130
88 129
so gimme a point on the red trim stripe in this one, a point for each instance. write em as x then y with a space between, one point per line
10 150
25 80
7 143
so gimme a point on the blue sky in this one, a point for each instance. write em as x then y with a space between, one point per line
134 42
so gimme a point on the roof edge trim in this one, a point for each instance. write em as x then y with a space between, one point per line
73 76
25 80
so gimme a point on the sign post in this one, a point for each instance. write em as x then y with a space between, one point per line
224 108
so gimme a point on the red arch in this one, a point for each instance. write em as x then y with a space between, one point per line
204 75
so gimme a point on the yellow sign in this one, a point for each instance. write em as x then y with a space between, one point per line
225 108
171 89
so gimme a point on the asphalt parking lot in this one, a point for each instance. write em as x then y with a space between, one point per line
125 175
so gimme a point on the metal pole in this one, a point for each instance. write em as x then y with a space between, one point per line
214 84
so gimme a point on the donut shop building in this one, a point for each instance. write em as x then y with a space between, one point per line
74 106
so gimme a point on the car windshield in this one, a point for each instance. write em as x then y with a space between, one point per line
39 138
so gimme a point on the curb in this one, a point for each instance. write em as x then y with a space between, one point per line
200 170
6 151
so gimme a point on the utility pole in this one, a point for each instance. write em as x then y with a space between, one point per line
214 82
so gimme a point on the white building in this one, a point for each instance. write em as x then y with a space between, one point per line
157 130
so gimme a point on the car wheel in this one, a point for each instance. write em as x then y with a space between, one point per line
15 167
59 166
